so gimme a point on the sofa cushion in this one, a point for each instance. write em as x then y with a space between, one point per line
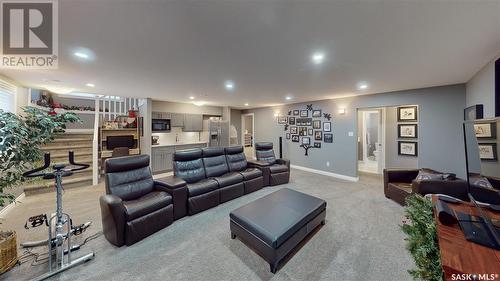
146 204
480 181
425 174
201 187
229 179
251 173
188 165
264 152
278 168
236 159
214 161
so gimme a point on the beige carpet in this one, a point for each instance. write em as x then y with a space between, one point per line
360 241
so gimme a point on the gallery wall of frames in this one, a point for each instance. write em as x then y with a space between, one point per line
308 127
486 134
407 130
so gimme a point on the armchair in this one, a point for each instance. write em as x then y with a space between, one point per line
278 170
134 206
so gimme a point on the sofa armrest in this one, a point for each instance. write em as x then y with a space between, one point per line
455 188
258 164
495 182
264 167
398 175
113 219
285 162
176 187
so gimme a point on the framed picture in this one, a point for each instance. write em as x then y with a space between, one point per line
310 132
304 113
474 112
296 112
407 114
293 130
295 138
316 124
291 120
287 136
488 151
318 135
303 131
282 119
328 138
407 131
327 126
308 121
485 130
407 148
316 113
306 140
317 145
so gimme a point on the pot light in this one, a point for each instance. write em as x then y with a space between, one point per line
199 103
90 85
288 97
229 85
318 57
81 55
246 104
191 98
362 86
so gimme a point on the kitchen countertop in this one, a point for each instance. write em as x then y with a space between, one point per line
178 144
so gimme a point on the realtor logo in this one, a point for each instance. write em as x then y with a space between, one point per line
29 34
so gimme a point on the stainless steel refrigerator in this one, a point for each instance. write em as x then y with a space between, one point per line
218 132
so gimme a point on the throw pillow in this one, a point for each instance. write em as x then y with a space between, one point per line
426 175
480 181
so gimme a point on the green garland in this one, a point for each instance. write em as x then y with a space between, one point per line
422 241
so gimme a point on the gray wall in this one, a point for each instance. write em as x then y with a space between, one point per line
236 122
440 129
481 89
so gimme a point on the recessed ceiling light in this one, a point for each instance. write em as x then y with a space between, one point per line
199 103
191 98
362 86
288 97
229 85
81 55
246 104
318 57
90 85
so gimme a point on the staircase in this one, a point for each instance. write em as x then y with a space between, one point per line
81 144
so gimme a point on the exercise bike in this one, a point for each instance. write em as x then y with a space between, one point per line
59 225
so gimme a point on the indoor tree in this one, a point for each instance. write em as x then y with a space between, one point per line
20 139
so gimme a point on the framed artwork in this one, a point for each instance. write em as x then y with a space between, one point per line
317 145
287 136
303 131
474 112
407 131
316 113
282 119
291 120
310 132
486 130
316 124
407 114
304 113
318 135
306 140
295 138
303 121
408 148
328 138
293 130
309 122
327 126
488 151
295 112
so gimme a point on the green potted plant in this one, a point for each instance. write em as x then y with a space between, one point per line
20 139
422 240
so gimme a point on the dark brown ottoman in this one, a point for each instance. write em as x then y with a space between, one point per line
276 223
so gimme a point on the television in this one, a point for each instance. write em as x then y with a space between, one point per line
113 142
478 228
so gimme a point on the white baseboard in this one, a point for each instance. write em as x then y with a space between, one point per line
325 173
7 208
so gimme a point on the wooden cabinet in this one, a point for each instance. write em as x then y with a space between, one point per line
162 159
177 120
193 123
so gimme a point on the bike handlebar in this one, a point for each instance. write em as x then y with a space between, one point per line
80 166
71 155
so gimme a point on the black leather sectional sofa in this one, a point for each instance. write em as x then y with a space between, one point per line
135 206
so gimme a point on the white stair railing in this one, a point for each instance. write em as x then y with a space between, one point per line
95 146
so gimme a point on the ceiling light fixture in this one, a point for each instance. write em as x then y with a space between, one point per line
229 85
191 98
288 97
199 103
318 57
81 55
362 86
246 104
90 85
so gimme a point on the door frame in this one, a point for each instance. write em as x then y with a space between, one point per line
243 130
381 161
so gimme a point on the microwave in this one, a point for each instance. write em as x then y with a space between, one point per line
161 125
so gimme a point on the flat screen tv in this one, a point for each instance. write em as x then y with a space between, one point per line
113 142
479 228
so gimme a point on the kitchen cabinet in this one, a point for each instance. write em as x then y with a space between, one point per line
161 115
162 159
177 120
193 123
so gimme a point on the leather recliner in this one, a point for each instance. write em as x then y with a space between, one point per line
277 169
230 183
253 178
134 206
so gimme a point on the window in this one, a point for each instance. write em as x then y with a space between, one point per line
7 96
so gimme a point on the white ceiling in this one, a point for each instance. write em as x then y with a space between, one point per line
170 50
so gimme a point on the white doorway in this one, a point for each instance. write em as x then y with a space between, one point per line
371 140
248 134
